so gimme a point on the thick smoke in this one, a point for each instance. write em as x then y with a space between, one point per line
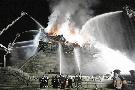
70 16
77 11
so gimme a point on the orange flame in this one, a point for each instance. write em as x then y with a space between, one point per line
54 30
68 30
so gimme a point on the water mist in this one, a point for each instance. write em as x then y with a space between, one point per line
77 58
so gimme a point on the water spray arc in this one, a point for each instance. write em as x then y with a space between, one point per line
36 22
77 58
60 57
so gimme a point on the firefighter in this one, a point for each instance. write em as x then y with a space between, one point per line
43 81
118 83
124 84
117 79
46 81
52 81
66 82
70 83
62 86
56 82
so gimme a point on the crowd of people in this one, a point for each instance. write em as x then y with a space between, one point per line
60 81
68 82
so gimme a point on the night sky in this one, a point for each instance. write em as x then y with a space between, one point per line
39 9
11 9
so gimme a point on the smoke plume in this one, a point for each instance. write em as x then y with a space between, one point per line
76 11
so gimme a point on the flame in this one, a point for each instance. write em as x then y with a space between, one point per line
68 29
54 31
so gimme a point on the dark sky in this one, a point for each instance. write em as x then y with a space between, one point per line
112 5
11 9
39 9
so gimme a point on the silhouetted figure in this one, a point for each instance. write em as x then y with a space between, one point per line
56 82
132 73
52 81
70 83
66 82
80 81
124 84
62 86
118 83
46 81
76 81
117 80
43 81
